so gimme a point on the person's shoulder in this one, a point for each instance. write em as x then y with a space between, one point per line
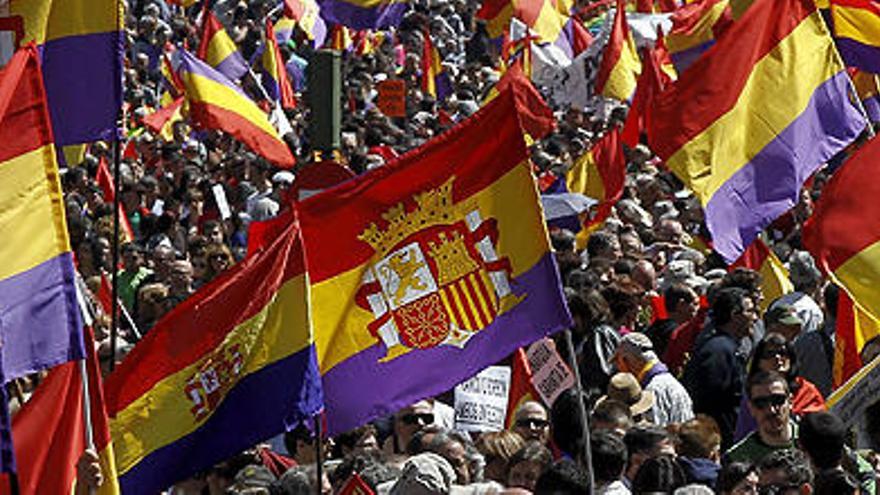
744 450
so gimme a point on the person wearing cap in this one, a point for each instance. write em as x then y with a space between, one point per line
782 318
636 355
624 388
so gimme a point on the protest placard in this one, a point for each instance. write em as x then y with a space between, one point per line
392 97
851 399
481 402
550 375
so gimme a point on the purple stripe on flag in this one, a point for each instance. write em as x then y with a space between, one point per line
855 54
189 63
319 33
769 184
40 322
361 388
684 58
565 40
233 66
270 85
269 401
443 85
872 107
83 79
359 17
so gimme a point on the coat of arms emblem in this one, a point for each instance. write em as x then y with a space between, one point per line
436 278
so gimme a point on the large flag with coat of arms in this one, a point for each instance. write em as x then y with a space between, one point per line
437 266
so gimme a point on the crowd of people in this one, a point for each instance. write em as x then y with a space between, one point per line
694 382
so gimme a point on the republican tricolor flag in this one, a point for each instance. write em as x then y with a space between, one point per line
437 266
620 65
273 73
217 48
754 117
857 31
435 79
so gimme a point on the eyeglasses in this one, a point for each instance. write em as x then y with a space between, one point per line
532 423
413 419
773 400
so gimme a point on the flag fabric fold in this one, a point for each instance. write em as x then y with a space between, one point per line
774 276
40 320
438 265
105 181
217 48
620 65
600 174
307 15
81 44
435 79
857 32
853 328
754 117
239 351
364 14
49 431
215 102
548 19
273 73
695 27
652 81
868 87
842 234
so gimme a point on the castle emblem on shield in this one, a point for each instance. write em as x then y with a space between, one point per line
435 278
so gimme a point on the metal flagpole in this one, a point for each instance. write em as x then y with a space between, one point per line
87 409
582 409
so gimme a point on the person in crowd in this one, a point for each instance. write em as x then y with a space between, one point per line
407 422
785 471
531 423
775 353
643 443
698 444
612 415
527 464
562 477
609 458
672 403
737 478
769 401
624 389
660 474
716 372
497 448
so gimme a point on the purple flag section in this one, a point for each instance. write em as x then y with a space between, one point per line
769 184
358 15
354 393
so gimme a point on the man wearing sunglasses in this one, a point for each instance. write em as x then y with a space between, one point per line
531 422
770 405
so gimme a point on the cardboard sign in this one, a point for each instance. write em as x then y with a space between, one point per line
481 402
392 97
850 400
550 375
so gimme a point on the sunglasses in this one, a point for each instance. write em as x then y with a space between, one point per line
767 401
532 423
774 353
413 419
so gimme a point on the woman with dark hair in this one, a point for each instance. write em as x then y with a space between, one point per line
738 478
661 474
775 353
595 340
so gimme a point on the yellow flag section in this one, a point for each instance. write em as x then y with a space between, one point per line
229 367
435 267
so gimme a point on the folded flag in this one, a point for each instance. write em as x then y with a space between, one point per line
215 102
437 266
652 81
364 14
868 88
522 389
774 276
435 79
217 48
229 367
620 66
545 18
755 116
49 430
853 328
307 15
857 32
273 73
41 320
172 86
600 174
162 120
81 45
842 234
695 27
